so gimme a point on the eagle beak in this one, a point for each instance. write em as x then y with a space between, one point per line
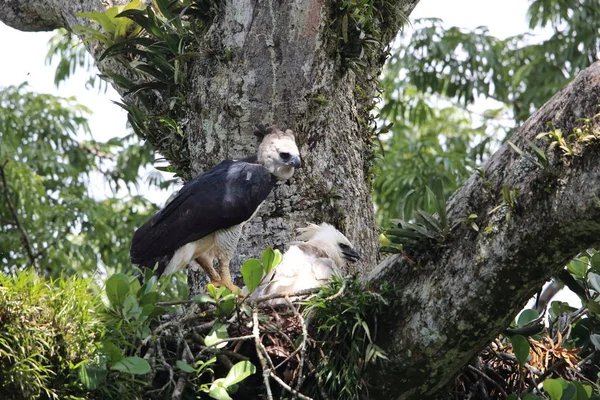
294 162
351 255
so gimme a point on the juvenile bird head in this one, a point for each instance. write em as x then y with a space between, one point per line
331 241
278 153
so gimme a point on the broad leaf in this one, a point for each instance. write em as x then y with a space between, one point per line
132 365
185 367
117 288
553 388
252 272
217 391
520 348
239 372
526 317
217 333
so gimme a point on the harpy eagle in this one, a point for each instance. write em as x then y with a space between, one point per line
321 252
204 221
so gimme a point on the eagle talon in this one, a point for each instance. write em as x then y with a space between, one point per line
229 285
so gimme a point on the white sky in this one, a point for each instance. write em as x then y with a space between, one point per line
25 52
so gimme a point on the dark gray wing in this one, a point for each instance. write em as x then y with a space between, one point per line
222 197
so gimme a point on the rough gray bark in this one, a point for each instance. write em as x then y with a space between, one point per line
452 300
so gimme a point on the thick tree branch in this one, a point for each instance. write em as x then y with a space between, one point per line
47 15
461 293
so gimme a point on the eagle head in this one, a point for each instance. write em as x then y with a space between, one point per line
331 242
278 153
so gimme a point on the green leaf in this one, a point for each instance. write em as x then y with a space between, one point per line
226 305
217 391
185 367
526 317
117 289
595 262
270 259
553 388
520 348
212 290
149 298
204 298
91 376
132 365
216 334
239 372
593 306
583 392
577 268
112 352
252 272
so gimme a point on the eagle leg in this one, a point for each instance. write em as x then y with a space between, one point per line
207 265
226 276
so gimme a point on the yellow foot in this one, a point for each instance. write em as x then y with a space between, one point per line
229 285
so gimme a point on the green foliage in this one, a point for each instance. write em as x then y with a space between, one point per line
358 25
71 55
48 159
425 144
345 332
424 227
559 389
153 43
114 30
254 271
433 78
221 387
47 329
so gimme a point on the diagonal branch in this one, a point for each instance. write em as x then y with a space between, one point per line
461 293
13 211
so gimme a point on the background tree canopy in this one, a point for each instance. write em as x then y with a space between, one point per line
450 97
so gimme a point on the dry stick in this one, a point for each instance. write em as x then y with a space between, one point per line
488 379
288 388
210 348
173 303
339 292
258 344
302 345
261 299
180 386
24 236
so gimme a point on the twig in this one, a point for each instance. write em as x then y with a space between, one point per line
288 388
180 386
173 303
488 379
212 347
339 292
586 359
303 344
258 344
165 364
300 293
24 236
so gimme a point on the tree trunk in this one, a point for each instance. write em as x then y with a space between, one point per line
289 63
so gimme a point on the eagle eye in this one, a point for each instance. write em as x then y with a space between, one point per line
285 156
343 246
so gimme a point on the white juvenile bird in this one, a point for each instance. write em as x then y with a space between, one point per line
321 252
